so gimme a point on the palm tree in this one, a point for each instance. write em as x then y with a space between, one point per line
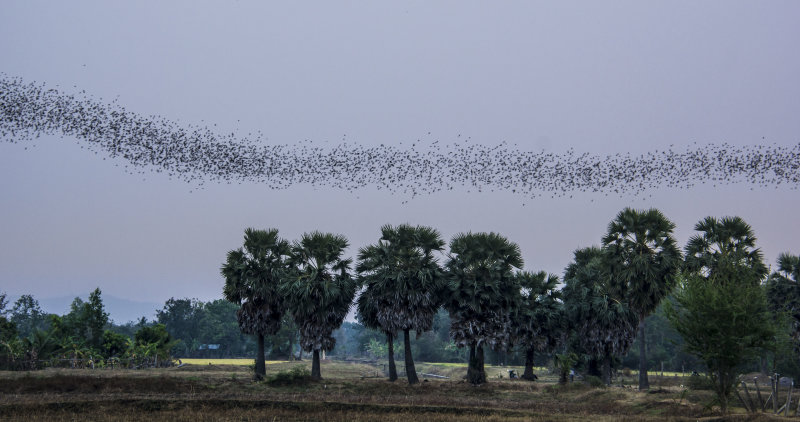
538 320
367 313
401 274
252 277
726 239
789 265
319 292
482 295
644 262
603 324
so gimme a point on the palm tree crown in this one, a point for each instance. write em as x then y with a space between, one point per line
644 257
725 239
402 274
252 275
320 290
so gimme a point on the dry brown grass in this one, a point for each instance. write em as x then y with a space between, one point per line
218 392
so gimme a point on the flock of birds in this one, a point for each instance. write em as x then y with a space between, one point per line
198 155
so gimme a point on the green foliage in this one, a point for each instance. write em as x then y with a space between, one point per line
115 344
27 315
727 241
783 297
86 321
8 330
377 349
700 382
298 375
594 382
643 258
154 339
538 320
402 278
564 362
664 346
43 345
721 309
252 278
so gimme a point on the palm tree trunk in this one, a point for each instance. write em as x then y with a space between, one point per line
528 375
261 367
644 384
470 368
411 373
316 374
291 348
475 373
392 367
607 369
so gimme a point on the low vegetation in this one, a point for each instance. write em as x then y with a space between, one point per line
350 392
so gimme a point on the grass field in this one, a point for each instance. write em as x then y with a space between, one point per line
237 362
350 391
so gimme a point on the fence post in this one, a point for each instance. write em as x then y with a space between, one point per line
741 399
789 399
775 380
751 407
758 391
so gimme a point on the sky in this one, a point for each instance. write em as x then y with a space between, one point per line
595 77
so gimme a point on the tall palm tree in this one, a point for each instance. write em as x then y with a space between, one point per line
319 292
539 325
644 262
402 275
482 295
603 324
726 239
367 313
252 277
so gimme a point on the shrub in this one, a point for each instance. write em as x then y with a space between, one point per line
700 382
296 376
594 382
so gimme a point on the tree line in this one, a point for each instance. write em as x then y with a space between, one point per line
83 337
717 294
636 299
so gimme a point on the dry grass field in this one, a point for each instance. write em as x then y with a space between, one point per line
348 392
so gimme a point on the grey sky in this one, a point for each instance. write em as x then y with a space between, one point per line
600 77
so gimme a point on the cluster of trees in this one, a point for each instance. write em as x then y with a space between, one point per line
717 286
31 339
637 299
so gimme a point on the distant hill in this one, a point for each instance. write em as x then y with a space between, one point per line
120 310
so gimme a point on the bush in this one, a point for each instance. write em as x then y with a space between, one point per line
594 382
296 376
700 382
